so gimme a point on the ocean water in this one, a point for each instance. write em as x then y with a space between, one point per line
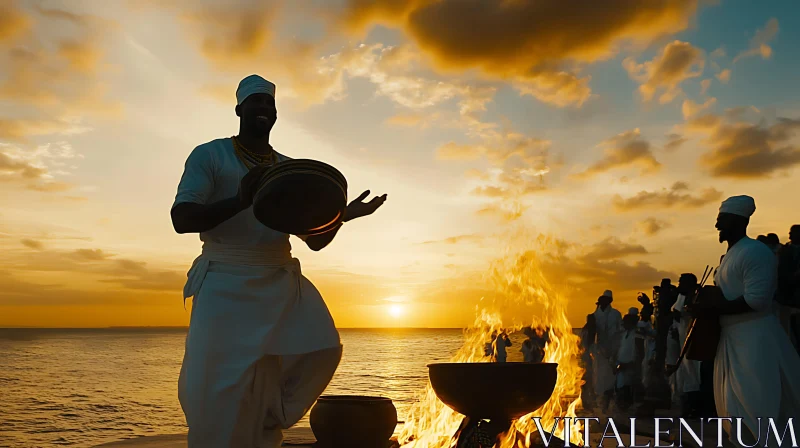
81 388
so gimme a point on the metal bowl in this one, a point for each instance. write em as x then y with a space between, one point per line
494 390
353 421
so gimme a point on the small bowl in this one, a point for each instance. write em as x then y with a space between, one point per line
353 421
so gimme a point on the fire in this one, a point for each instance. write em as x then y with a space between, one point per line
518 280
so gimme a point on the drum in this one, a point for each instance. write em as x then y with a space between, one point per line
301 197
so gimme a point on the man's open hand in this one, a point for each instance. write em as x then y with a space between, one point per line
359 208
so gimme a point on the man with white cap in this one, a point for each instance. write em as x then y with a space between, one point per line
755 368
609 336
262 345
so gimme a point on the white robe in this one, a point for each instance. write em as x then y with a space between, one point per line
262 344
673 353
688 374
648 333
627 354
756 369
604 353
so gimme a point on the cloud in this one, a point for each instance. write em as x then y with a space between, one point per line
677 62
459 239
91 255
718 53
690 108
624 150
32 244
704 85
613 248
677 196
19 130
455 151
532 44
34 169
747 150
758 44
410 120
505 212
724 76
558 88
588 276
652 226
127 273
60 76
13 21
674 141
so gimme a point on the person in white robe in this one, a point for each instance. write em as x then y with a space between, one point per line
608 322
688 374
647 334
755 368
671 358
627 369
262 345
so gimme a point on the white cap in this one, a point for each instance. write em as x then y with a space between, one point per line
607 293
633 311
253 84
738 205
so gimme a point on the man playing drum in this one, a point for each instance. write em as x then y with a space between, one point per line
262 345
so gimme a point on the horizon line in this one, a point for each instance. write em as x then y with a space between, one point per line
114 327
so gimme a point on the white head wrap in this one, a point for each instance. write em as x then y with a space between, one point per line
253 84
738 205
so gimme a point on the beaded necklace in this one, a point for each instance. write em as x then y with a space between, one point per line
250 158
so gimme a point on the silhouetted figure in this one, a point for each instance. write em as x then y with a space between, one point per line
789 285
588 336
604 360
755 369
627 368
689 373
773 242
533 347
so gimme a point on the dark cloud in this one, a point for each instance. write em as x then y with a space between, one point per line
612 248
677 196
677 62
746 150
652 226
624 150
533 44
674 142
32 244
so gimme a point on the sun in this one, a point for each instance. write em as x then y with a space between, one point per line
396 310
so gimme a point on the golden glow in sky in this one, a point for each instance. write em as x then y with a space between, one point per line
606 146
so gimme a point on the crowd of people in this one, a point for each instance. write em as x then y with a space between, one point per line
754 372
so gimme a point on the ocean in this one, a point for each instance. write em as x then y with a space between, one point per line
84 387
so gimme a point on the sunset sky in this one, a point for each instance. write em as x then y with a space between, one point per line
613 128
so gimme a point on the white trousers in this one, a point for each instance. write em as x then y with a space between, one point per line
252 409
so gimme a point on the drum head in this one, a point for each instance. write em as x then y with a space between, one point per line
301 197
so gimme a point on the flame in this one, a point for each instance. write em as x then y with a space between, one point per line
518 280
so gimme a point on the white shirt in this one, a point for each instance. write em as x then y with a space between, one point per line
246 275
748 269
756 366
